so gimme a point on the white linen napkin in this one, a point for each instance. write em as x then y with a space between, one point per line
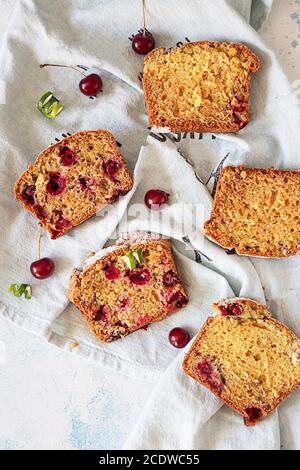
94 34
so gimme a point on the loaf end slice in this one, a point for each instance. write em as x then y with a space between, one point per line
256 211
246 358
127 286
200 87
72 180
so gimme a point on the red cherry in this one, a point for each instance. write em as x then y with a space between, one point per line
155 198
91 85
143 43
179 337
42 268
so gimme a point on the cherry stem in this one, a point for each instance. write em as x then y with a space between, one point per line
144 16
39 241
59 65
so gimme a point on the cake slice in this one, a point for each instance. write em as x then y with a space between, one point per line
246 358
126 286
200 87
73 179
256 211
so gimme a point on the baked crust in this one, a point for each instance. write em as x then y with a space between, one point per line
75 139
195 125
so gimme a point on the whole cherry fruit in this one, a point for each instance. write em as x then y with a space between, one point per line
155 198
42 268
91 85
143 43
179 337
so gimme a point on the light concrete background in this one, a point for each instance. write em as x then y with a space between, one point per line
53 399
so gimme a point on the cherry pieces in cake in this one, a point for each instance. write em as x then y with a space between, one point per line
208 371
57 184
252 415
170 279
67 157
230 309
112 273
111 169
28 195
139 276
102 314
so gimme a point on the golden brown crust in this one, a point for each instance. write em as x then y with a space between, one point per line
189 45
75 138
73 285
192 125
214 236
75 290
219 393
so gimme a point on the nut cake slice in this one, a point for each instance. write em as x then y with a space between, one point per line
73 179
256 211
127 286
246 358
199 87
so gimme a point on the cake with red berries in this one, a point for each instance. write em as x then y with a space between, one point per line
73 179
246 358
127 286
199 87
256 212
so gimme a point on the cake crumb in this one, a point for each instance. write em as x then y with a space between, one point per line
74 345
